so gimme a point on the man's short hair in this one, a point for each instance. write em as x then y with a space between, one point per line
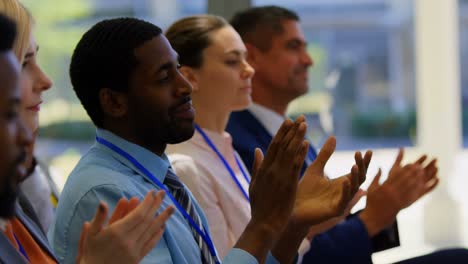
7 33
105 58
258 25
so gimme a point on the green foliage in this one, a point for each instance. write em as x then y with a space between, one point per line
382 123
318 72
69 130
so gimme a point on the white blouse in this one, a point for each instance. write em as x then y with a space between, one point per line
201 169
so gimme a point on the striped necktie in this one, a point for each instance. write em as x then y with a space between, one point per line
179 192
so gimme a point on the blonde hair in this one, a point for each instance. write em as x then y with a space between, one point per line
24 22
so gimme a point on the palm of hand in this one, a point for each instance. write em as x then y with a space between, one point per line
410 182
319 198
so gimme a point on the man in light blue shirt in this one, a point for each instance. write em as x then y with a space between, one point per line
126 75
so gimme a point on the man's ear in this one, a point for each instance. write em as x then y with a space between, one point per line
113 103
253 55
191 75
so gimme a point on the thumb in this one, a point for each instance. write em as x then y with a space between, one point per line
258 160
399 158
375 182
98 220
324 155
82 243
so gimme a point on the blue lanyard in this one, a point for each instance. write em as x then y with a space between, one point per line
21 249
226 164
139 166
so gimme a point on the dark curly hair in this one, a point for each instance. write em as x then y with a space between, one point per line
104 58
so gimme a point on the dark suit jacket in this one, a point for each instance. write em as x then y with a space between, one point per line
8 254
348 242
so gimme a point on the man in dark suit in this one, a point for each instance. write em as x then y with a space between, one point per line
277 51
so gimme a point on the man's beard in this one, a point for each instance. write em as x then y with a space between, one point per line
9 192
8 199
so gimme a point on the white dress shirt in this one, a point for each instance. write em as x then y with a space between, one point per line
271 120
200 168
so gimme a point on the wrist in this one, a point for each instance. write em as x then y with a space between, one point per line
262 229
289 242
375 224
257 239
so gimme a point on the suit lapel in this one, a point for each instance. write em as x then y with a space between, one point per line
8 253
35 232
256 128
264 138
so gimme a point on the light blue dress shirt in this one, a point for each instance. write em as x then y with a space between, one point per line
103 175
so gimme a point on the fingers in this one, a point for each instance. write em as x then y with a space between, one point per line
81 245
299 161
276 142
134 218
293 139
282 141
430 186
362 169
297 150
430 171
152 242
258 159
367 160
346 192
119 211
324 155
376 181
359 194
132 204
354 179
155 228
98 221
143 228
399 157
421 160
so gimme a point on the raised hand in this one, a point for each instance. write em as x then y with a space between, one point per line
404 185
327 225
319 198
412 183
133 230
273 188
274 179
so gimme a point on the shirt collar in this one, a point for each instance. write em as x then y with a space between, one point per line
268 118
156 165
3 224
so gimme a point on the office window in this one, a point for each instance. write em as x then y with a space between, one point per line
361 87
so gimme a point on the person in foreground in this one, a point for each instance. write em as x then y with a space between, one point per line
21 239
277 51
127 77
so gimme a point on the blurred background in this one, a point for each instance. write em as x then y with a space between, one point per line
386 74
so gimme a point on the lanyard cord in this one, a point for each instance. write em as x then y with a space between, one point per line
139 166
225 163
